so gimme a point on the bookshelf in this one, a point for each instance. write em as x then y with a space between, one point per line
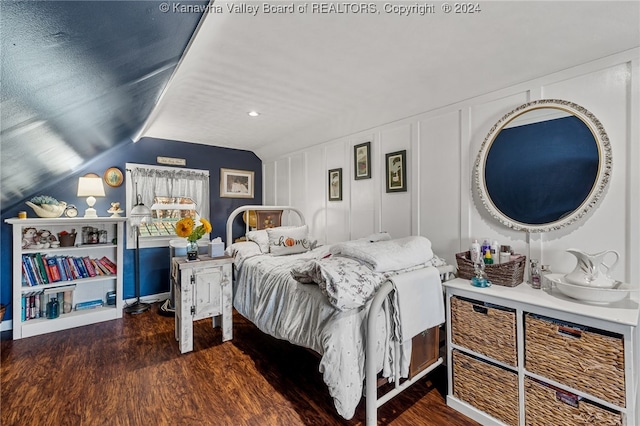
81 274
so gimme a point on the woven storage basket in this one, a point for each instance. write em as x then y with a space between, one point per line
508 274
484 328
545 406
487 387
591 361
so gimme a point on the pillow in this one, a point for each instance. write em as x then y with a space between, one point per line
289 240
242 247
260 238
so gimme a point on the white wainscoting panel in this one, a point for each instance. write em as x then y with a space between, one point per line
442 146
396 209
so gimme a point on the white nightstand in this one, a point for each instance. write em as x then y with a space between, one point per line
202 289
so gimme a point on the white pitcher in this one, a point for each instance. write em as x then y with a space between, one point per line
591 270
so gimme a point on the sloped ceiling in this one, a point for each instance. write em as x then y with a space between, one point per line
80 77
318 76
77 78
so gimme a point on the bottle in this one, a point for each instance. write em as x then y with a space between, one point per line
505 254
474 252
545 284
53 308
494 249
488 260
535 274
485 246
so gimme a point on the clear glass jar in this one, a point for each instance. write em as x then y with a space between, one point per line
192 250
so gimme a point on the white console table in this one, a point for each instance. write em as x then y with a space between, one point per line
618 321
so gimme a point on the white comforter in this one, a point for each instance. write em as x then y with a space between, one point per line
267 295
324 308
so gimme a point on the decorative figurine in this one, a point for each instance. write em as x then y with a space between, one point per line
115 209
479 280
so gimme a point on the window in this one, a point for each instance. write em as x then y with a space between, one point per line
171 193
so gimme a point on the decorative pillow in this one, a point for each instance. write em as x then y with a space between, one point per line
261 238
289 240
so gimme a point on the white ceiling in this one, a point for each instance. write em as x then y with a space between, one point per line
316 77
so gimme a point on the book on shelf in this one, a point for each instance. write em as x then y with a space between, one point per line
89 304
53 269
42 267
108 264
75 272
31 270
81 269
102 268
62 269
88 266
30 279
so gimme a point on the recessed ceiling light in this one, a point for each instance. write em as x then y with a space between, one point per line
253 113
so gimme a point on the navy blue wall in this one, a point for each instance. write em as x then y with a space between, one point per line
154 271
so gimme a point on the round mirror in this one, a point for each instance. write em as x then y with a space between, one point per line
543 166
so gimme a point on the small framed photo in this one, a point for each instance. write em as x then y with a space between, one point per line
236 183
362 161
113 177
335 185
396 171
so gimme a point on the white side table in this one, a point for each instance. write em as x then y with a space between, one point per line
202 289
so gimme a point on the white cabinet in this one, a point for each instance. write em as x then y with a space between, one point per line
93 286
520 356
202 289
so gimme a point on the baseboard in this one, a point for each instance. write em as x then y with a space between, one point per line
152 298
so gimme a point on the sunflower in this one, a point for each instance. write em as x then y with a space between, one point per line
206 224
184 227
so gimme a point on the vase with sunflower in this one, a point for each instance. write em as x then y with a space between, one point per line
186 227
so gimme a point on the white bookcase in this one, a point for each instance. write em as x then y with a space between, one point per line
86 289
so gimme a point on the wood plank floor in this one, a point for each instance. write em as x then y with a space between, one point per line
130 372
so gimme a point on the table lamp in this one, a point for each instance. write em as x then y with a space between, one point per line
90 187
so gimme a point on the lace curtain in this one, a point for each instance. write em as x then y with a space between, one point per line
152 182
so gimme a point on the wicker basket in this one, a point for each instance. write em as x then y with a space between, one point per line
545 405
591 361
487 387
3 309
484 328
508 274
67 240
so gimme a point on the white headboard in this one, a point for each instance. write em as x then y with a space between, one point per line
243 209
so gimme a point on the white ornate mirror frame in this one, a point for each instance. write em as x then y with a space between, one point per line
596 190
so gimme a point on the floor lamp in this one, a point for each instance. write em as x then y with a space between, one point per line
138 215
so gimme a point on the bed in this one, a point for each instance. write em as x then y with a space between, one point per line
333 302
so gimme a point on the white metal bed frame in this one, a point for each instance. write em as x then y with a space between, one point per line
371 382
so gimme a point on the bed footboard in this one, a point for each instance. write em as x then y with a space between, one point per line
371 382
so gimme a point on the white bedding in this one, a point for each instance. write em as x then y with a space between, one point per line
267 294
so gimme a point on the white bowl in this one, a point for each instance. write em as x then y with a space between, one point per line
597 295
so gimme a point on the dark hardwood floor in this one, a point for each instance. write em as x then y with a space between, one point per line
131 372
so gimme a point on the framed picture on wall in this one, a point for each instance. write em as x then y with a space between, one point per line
396 165
335 185
362 161
236 183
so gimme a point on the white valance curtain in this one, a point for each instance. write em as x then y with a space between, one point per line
152 182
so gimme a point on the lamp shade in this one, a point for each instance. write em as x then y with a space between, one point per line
90 186
139 213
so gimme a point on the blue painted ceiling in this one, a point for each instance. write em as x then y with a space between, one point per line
78 78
